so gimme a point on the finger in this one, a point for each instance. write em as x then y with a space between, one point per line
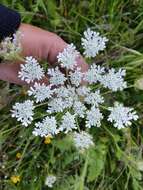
9 73
40 43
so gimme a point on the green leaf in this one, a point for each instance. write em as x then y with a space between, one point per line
96 164
63 144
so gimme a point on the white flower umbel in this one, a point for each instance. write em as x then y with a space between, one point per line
79 109
121 116
48 127
114 80
72 103
94 74
93 43
94 117
66 92
31 70
68 102
68 123
83 91
62 92
50 180
10 47
56 76
56 105
72 93
65 97
82 140
68 57
94 98
23 112
76 77
40 92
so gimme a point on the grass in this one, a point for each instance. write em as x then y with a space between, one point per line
117 162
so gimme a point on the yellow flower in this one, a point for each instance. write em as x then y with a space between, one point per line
18 155
15 179
48 139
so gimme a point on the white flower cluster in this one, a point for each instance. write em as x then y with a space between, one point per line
24 112
50 180
121 116
82 140
11 46
79 109
94 98
71 102
68 123
68 57
31 70
76 77
48 127
56 76
114 80
94 117
94 74
40 92
93 43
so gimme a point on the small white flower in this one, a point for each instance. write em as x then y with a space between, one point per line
93 43
82 140
23 112
66 91
31 70
68 122
68 102
121 116
83 91
48 127
68 57
94 74
40 92
94 117
94 98
72 93
56 105
50 180
65 97
114 80
76 77
62 92
56 76
79 109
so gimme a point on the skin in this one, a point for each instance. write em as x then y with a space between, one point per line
40 44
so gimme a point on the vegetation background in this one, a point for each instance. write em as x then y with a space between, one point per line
116 163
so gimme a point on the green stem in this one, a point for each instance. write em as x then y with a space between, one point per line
82 179
9 130
24 151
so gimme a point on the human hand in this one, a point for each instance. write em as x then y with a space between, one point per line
40 44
